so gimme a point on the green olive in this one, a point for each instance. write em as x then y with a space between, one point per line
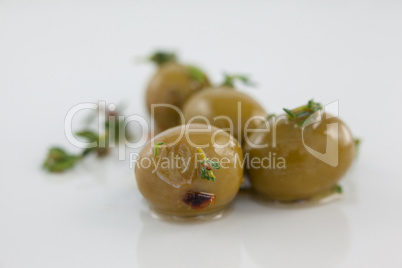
289 169
226 108
173 84
190 170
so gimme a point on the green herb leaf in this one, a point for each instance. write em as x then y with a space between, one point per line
338 189
204 173
88 151
229 80
58 160
270 116
89 135
196 74
160 57
289 113
156 147
357 142
115 126
207 165
304 111
215 165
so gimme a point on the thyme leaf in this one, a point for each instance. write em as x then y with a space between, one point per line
196 74
161 57
59 160
338 189
229 80
206 166
156 147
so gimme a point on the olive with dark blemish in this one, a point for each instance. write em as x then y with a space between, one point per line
171 172
199 201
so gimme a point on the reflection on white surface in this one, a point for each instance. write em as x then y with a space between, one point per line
271 236
197 244
283 237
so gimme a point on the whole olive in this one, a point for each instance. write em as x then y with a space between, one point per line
190 170
226 108
304 156
173 83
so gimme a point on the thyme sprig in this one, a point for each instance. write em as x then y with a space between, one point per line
207 166
303 111
59 160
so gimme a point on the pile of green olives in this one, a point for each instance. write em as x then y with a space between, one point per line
197 163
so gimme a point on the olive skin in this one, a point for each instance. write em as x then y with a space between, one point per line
171 188
303 176
171 84
223 101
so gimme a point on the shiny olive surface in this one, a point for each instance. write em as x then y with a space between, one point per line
173 83
294 173
221 104
170 177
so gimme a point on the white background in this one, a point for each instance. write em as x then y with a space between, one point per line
56 54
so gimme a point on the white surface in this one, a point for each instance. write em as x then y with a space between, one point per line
55 54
